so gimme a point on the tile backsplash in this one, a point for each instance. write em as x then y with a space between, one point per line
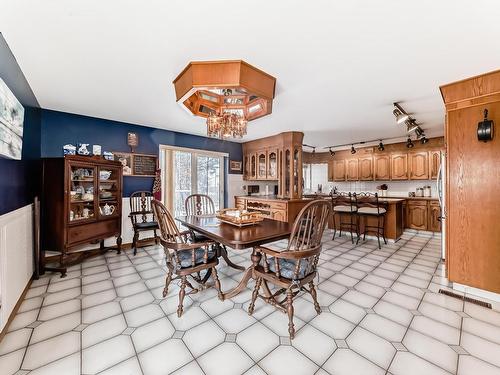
395 188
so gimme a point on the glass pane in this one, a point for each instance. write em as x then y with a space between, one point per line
182 181
208 175
81 193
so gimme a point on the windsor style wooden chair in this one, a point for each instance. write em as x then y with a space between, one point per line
295 267
142 216
185 258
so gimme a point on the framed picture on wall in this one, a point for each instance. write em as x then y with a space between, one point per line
235 166
126 159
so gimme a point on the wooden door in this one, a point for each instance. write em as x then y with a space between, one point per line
382 167
417 215
399 166
434 162
434 215
419 165
352 167
279 215
339 170
365 168
261 165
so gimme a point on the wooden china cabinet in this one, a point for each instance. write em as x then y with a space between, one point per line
81 204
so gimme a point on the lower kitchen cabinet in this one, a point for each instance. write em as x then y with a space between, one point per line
434 216
416 217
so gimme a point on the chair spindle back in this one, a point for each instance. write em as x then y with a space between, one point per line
199 204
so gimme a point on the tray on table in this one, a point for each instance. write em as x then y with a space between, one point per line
239 218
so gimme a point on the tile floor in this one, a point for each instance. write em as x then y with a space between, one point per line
381 315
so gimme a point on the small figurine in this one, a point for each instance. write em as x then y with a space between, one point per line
82 149
108 155
69 149
96 149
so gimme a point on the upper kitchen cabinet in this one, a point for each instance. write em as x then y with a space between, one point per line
365 168
277 158
399 166
352 169
339 170
418 163
382 167
434 162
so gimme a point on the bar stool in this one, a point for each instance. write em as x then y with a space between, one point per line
368 205
344 205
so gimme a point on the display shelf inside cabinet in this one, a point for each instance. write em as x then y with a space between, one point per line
81 205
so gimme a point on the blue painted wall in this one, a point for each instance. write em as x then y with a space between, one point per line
59 128
20 179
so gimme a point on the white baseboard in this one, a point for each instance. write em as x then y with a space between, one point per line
476 292
16 258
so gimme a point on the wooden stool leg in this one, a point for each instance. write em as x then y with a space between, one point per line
383 229
334 227
351 225
289 310
217 283
182 293
255 293
314 297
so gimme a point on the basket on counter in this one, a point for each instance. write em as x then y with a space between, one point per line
239 218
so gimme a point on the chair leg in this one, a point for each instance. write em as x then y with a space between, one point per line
334 227
217 283
134 242
182 293
167 280
156 237
352 237
383 229
289 310
358 232
314 296
255 293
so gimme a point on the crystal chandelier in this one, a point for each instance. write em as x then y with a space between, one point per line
226 125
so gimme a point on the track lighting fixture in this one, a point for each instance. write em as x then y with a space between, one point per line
409 143
353 150
400 114
332 153
424 139
381 146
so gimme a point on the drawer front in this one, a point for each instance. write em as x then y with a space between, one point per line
417 202
92 231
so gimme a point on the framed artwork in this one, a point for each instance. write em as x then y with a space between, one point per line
235 166
126 159
142 165
11 123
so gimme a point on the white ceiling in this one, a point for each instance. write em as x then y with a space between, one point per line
339 65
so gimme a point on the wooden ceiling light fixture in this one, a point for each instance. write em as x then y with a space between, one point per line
227 93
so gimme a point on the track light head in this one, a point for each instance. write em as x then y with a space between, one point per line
332 153
381 146
424 139
353 150
409 143
400 116
314 150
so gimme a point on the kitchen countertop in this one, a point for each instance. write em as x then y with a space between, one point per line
381 197
273 197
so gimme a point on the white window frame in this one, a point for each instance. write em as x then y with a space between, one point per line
167 167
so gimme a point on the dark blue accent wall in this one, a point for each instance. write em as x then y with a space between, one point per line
20 179
59 128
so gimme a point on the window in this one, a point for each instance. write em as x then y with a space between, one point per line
314 175
186 172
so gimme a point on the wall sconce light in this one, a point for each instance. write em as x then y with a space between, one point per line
409 143
381 146
353 150
485 129
332 153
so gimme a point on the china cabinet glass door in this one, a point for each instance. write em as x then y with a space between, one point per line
82 183
109 201
272 172
262 165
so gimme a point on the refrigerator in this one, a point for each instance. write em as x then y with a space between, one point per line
441 192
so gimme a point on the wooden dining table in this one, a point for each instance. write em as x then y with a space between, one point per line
239 238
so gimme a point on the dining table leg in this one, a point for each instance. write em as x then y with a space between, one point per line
223 253
247 275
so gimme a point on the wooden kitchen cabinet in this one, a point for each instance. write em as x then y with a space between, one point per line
434 213
240 203
434 162
339 170
399 166
253 167
272 165
352 169
418 163
382 167
331 171
365 166
416 217
261 165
